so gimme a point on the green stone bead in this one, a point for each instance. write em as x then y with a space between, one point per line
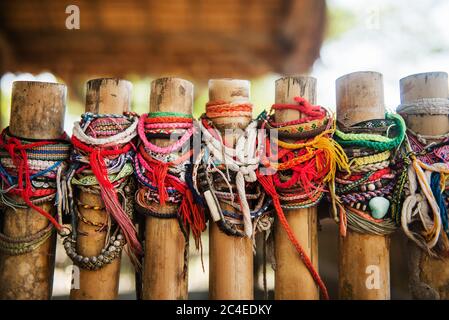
379 207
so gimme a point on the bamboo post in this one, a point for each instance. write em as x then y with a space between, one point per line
360 97
113 96
37 112
431 272
292 278
230 258
164 276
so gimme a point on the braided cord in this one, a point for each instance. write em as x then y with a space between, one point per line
374 141
242 160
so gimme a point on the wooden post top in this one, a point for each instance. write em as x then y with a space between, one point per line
287 88
233 91
360 97
424 85
230 90
108 95
37 109
171 95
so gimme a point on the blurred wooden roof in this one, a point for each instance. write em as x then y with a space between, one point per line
198 38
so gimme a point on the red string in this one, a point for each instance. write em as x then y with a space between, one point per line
307 172
304 107
157 172
219 108
17 152
168 120
375 176
267 183
108 193
215 133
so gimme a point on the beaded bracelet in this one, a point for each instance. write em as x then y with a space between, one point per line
367 194
102 165
107 255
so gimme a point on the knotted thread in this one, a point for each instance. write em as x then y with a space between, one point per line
103 147
225 172
298 173
28 169
424 213
373 175
161 171
243 160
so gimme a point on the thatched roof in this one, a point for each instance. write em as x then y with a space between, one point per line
198 38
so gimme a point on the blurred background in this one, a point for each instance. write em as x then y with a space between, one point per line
202 39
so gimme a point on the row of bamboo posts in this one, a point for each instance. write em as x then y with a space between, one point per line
37 112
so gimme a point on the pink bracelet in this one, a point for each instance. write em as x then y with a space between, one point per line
164 150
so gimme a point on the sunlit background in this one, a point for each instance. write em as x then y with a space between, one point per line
396 38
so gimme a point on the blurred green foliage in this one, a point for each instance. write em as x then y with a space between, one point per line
339 21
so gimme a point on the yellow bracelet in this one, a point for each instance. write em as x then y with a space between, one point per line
293 146
378 157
